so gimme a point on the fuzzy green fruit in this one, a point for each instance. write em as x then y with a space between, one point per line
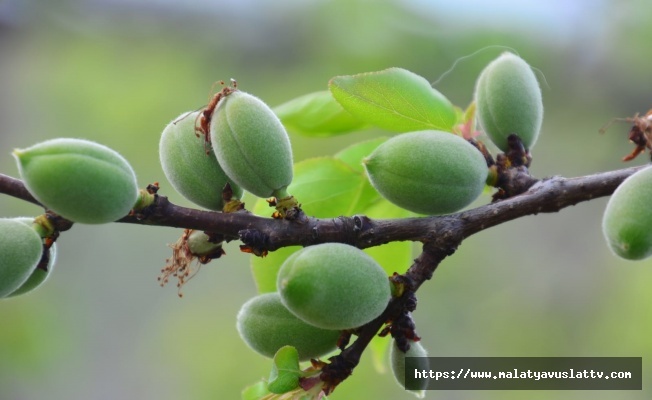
628 217
266 325
508 100
196 175
39 275
252 145
80 180
397 360
427 172
333 286
20 252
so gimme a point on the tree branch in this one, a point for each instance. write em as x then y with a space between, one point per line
548 195
16 188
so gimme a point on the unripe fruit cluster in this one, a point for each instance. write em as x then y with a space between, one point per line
322 289
190 165
236 140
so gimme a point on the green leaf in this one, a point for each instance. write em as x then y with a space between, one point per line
317 114
327 187
378 350
394 99
354 154
256 391
285 371
266 269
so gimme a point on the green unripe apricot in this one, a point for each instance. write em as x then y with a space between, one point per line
333 286
252 145
266 325
397 360
508 100
427 172
20 252
39 275
80 180
627 220
196 175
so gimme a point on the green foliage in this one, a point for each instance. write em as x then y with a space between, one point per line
191 166
257 391
20 250
508 99
252 145
285 380
628 217
285 372
317 114
330 188
428 172
266 325
354 154
321 284
265 270
80 180
394 99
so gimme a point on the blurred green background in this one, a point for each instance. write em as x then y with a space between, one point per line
116 71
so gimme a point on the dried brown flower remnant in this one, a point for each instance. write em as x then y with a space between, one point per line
192 245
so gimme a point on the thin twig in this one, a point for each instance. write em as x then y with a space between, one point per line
548 195
16 188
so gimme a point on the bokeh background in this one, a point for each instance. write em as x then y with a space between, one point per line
116 71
